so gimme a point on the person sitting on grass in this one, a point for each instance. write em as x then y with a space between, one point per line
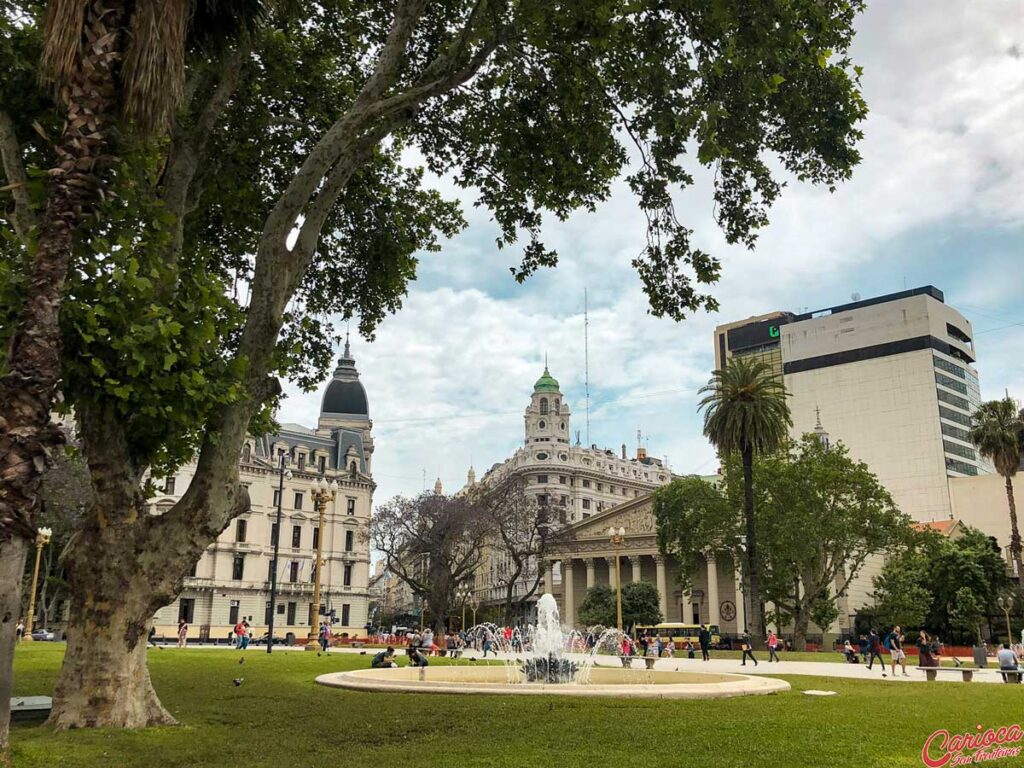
384 660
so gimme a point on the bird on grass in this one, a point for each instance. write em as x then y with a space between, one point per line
242 660
238 681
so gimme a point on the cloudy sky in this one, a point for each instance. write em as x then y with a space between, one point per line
937 200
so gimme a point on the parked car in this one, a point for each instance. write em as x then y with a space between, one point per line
43 634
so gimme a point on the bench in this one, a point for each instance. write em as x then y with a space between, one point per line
932 672
1013 674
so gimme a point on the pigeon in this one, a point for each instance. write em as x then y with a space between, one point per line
238 681
242 660
362 653
318 654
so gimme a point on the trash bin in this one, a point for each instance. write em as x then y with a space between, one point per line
289 639
980 659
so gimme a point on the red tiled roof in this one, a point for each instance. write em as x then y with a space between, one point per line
941 526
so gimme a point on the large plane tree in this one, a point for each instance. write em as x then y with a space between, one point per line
281 199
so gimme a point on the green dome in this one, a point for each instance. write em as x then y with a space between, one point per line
546 383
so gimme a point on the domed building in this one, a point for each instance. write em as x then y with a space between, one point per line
233 578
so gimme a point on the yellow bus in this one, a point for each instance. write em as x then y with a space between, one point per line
680 633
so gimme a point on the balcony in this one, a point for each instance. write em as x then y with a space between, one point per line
291 587
197 582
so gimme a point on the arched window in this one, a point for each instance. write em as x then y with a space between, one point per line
543 406
352 468
246 452
558 406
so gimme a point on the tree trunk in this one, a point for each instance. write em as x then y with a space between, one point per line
104 681
801 620
12 570
756 617
1015 543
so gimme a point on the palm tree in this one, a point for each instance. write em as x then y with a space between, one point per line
998 434
745 411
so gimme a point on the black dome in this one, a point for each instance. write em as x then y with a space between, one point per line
345 397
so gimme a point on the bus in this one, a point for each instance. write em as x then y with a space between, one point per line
680 633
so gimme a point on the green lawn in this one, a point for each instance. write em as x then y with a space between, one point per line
278 717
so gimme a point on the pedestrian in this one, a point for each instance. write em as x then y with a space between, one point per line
19 631
151 637
896 654
773 646
325 636
875 646
1008 663
670 648
182 633
862 644
239 635
924 651
704 639
488 640
748 649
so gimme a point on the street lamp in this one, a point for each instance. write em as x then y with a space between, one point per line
461 593
282 475
473 605
42 539
323 492
617 536
1007 606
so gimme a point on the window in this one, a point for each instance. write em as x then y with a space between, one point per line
169 486
959 450
600 486
350 507
302 461
946 381
563 425
270 570
586 503
542 478
280 454
233 613
586 483
246 452
349 540
266 613
192 570
186 609
542 499
322 464
296 535
346 611
280 609
962 467
959 418
957 334
949 367
960 434
636 493
293 575
240 526
542 424
353 469
561 479
558 406
952 399
298 500
273 534
542 456
543 406
346 578
277 498
316 537
238 568
625 492
291 614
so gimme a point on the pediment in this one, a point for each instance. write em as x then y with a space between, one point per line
636 516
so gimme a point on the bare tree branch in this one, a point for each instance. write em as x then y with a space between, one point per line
23 218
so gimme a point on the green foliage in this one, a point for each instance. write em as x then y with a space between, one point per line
998 433
923 582
598 607
745 407
966 612
640 604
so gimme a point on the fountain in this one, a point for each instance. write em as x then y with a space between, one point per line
543 659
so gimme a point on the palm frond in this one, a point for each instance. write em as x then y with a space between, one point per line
153 73
997 432
744 404
62 39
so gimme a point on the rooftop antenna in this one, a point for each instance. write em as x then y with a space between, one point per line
639 441
424 478
586 360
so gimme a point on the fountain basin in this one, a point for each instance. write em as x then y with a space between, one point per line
604 681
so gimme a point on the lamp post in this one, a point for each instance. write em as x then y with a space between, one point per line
1007 606
461 593
323 492
617 536
473 605
42 539
282 475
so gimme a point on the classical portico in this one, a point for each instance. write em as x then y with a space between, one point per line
588 559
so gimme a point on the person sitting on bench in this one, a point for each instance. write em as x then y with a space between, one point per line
1008 663
850 653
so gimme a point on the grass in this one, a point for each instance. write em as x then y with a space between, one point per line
278 717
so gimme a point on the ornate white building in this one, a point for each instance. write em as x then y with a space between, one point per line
232 579
578 480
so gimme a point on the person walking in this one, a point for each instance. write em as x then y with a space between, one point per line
182 633
896 654
748 649
773 646
488 639
704 639
325 636
19 631
924 650
875 650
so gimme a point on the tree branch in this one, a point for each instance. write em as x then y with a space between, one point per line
23 217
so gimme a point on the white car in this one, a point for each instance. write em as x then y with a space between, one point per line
42 634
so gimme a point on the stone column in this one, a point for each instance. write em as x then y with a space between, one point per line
568 598
589 562
659 563
713 617
611 571
741 610
551 576
687 607
635 562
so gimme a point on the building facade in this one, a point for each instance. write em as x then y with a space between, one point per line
577 481
232 579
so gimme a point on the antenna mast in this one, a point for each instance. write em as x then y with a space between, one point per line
586 358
